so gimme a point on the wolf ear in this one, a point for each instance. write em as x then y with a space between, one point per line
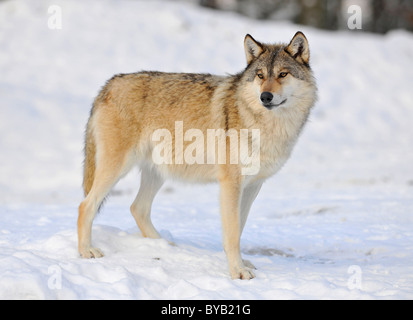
253 48
298 48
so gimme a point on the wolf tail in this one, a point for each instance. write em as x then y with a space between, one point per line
89 164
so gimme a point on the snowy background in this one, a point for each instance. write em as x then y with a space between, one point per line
335 223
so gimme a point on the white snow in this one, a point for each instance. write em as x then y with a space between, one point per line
335 223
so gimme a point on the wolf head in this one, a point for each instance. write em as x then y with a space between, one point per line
279 76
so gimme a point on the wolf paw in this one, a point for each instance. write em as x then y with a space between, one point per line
91 253
243 274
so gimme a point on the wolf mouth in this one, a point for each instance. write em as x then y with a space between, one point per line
274 105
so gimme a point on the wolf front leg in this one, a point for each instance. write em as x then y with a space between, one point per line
249 193
231 190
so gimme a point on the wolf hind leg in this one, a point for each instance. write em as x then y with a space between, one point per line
109 169
151 182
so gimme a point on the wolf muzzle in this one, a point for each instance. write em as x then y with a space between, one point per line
267 100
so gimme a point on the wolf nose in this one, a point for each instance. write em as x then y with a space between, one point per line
266 97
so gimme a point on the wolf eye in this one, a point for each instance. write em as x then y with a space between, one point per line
283 74
260 75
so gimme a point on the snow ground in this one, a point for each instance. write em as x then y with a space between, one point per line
335 223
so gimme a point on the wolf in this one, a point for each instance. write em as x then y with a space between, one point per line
273 94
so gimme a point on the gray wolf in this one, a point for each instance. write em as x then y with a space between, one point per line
273 94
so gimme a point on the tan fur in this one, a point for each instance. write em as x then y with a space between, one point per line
89 165
131 107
